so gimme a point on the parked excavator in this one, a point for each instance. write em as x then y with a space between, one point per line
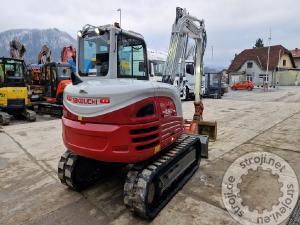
51 78
35 78
113 115
13 91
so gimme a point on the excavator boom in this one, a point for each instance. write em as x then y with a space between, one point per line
185 27
17 49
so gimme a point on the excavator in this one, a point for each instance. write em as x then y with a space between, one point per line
51 78
13 91
113 116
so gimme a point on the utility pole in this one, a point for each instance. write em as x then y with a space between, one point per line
120 11
267 74
212 52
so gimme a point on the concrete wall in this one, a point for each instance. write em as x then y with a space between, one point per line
288 78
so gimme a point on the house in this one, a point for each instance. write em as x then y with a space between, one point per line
251 64
296 56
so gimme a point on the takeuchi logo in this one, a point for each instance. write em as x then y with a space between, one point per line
83 101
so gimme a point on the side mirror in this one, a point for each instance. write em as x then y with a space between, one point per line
141 67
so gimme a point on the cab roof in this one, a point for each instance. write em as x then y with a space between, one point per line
108 27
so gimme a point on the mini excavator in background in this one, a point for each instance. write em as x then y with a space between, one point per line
113 115
13 91
48 79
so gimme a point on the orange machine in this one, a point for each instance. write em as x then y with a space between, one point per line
47 81
56 76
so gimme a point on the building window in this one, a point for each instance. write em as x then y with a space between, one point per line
262 76
249 64
249 77
284 62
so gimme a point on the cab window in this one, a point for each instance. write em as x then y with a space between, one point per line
190 68
9 70
94 55
131 57
13 70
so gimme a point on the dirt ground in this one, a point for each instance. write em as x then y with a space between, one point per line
30 192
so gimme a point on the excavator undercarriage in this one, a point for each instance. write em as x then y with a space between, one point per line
150 184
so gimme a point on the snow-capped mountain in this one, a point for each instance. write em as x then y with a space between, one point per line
34 39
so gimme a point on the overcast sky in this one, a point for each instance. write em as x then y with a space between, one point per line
232 25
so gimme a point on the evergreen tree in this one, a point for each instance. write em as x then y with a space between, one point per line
259 43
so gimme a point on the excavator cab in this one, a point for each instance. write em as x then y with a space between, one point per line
100 48
56 77
13 91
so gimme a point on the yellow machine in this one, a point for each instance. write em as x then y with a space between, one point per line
13 91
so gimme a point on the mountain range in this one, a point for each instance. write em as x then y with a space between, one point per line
34 39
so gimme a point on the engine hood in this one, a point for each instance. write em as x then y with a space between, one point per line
84 99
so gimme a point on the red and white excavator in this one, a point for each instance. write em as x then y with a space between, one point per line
113 115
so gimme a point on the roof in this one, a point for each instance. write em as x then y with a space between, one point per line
260 55
296 53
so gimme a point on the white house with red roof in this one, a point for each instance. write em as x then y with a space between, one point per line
296 55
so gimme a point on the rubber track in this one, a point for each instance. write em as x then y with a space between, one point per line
71 166
30 115
66 167
51 109
5 118
135 188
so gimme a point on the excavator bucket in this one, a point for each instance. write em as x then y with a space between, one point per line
202 127
208 128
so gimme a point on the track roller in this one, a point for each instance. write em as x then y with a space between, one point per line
149 187
4 118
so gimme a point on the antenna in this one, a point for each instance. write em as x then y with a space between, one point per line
212 52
